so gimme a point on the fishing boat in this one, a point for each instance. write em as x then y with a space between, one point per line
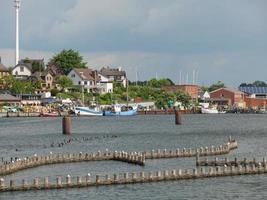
86 111
120 110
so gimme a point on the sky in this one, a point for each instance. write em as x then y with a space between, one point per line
219 40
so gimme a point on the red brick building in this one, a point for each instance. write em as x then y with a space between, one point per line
192 90
231 97
256 97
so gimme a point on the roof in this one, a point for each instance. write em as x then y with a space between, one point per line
228 89
8 97
84 73
106 71
28 65
253 90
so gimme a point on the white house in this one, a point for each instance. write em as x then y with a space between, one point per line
104 84
85 78
114 74
22 70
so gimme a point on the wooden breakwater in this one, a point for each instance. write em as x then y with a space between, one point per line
133 178
139 158
227 162
16 165
202 151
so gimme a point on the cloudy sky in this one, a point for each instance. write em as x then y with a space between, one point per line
220 39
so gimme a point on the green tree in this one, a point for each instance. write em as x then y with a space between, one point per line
37 67
64 81
66 60
259 84
159 83
183 97
216 86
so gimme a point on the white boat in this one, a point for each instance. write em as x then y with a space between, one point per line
209 110
86 111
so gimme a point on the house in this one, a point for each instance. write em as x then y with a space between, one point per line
30 99
54 71
192 90
114 75
104 84
85 78
256 97
26 67
22 70
3 70
9 99
228 97
44 77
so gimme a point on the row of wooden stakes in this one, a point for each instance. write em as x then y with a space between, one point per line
126 178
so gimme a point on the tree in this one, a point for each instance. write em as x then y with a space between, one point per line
259 84
159 83
64 82
66 60
183 97
216 86
254 84
37 66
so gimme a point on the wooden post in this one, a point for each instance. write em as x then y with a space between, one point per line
66 125
177 117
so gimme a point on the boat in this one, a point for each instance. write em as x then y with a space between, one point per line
86 111
209 110
120 110
50 114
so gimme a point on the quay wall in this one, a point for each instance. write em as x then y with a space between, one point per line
19 114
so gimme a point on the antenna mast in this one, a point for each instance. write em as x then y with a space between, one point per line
17 7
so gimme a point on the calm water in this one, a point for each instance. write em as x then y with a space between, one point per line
25 137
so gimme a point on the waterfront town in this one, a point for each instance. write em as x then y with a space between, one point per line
41 88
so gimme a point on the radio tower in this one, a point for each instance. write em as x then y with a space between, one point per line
17 6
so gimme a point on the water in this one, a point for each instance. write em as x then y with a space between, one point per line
26 136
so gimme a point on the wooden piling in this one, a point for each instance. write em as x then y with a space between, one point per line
178 117
66 125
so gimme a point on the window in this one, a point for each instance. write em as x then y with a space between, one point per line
85 82
79 82
73 76
21 69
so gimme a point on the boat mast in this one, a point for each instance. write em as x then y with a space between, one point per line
127 83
